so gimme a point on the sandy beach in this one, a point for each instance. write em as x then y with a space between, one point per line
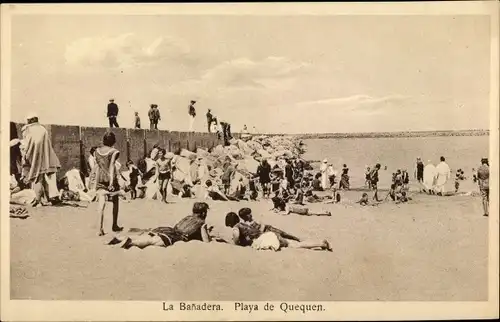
432 249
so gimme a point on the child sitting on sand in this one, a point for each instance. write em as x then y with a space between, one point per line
364 199
403 198
299 195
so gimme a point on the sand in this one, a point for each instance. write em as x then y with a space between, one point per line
432 249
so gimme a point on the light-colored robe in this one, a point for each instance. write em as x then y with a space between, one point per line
443 174
39 155
324 176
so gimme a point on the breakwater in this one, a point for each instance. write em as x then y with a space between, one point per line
380 135
72 143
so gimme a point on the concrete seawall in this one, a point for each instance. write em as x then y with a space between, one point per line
72 143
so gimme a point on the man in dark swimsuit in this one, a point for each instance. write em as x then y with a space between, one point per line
192 227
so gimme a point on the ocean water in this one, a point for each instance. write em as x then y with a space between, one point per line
464 152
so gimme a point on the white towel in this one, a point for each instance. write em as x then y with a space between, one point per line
267 241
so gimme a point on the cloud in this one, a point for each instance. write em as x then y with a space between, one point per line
243 72
122 51
355 101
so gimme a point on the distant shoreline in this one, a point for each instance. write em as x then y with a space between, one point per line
407 134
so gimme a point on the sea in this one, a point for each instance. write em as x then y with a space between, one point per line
460 152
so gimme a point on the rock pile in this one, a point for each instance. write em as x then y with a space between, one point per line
198 167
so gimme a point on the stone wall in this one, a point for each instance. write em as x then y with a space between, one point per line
72 143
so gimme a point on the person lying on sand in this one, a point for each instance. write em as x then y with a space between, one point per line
246 217
192 227
245 235
214 193
303 211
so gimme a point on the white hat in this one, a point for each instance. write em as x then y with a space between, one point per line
325 161
31 115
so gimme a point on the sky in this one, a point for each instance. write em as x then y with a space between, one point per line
281 74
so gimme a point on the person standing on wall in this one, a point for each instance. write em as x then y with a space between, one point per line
210 119
137 122
112 113
192 115
154 117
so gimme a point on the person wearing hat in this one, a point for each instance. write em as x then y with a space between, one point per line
483 178
40 162
154 117
192 115
112 113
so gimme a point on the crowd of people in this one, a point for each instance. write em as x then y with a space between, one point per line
283 177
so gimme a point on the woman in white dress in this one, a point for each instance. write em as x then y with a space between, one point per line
324 174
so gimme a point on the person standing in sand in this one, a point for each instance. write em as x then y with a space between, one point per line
374 181
164 173
344 178
418 173
324 175
39 160
429 177
264 174
106 183
483 178
443 174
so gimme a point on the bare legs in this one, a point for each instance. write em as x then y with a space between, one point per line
311 244
486 202
375 194
307 213
162 187
101 206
